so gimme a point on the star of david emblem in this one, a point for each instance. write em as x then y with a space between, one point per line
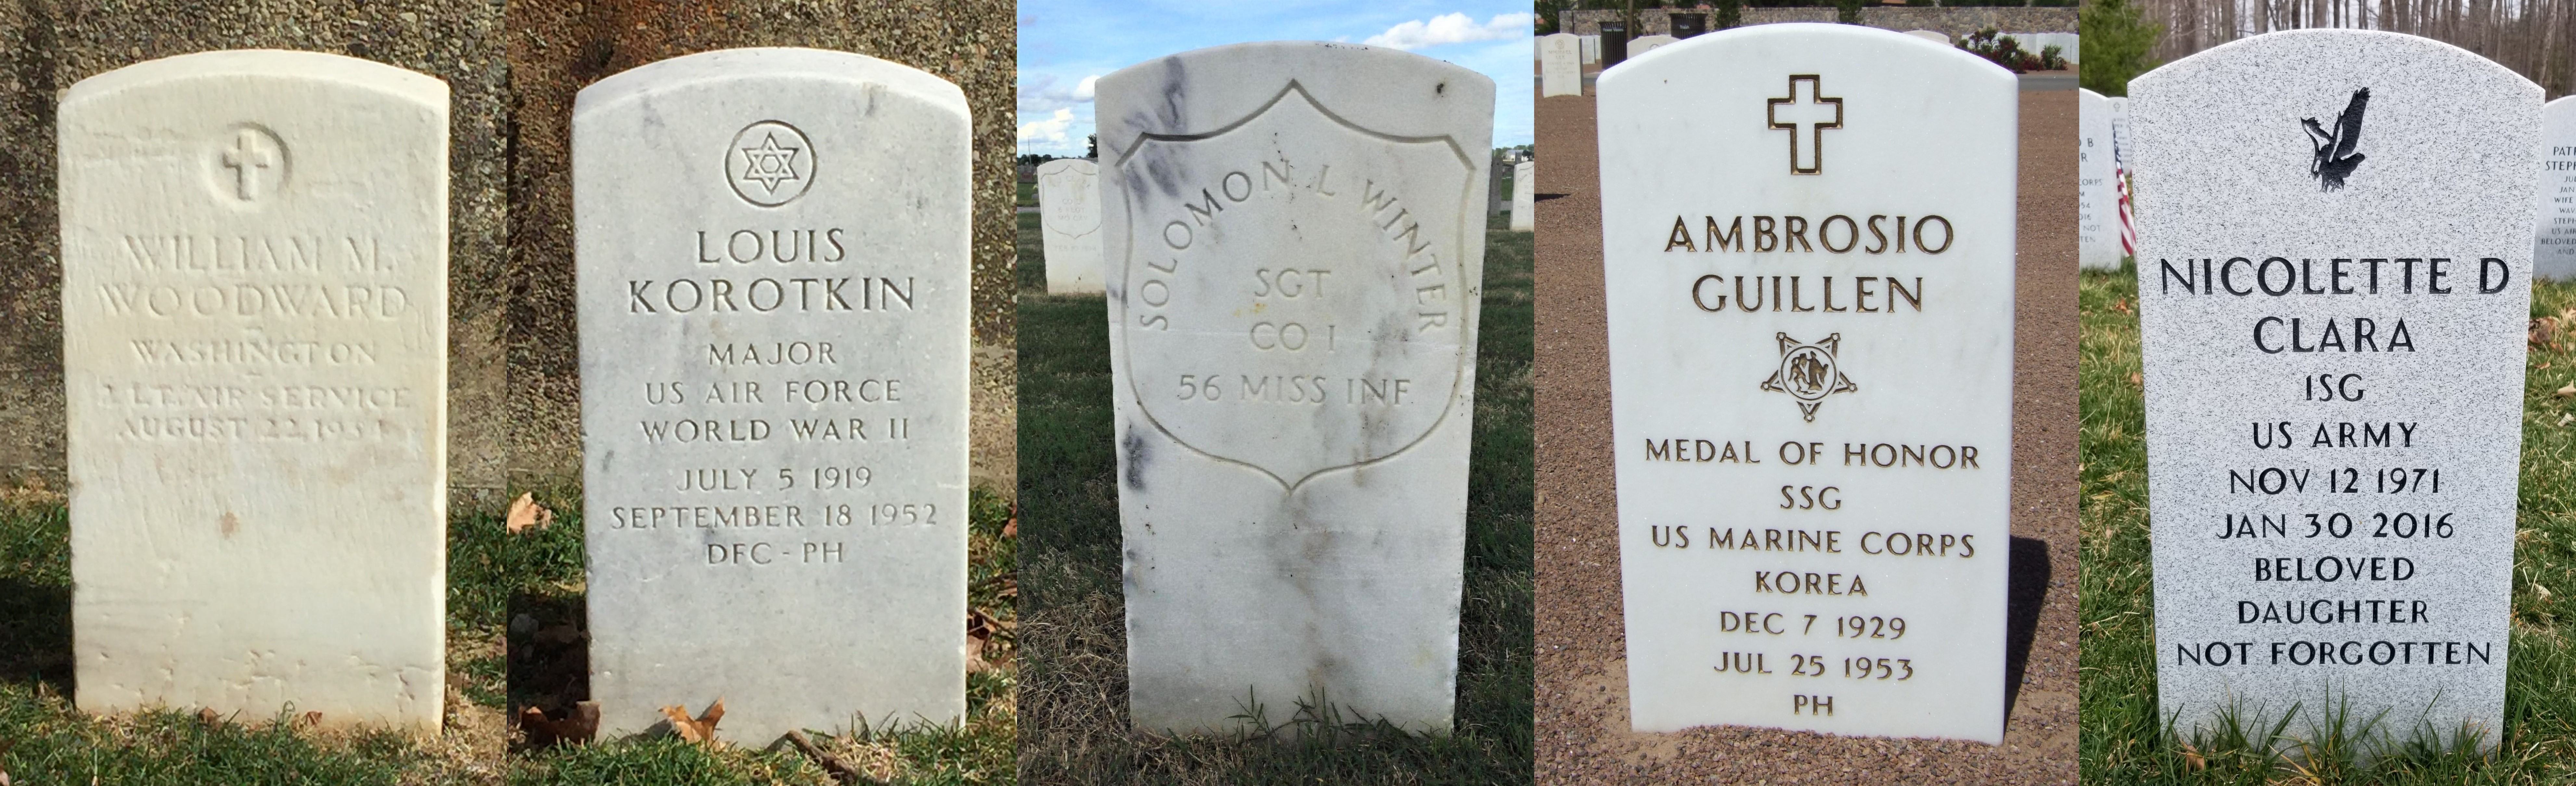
1809 373
770 164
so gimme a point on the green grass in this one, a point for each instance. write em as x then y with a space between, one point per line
2123 739
493 578
1075 691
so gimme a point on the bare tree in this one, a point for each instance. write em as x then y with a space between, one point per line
2536 38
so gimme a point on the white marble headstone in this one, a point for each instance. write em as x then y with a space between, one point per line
1295 236
1811 365
2554 253
255 347
774 316
2097 196
1525 196
1560 72
2332 284
1069 215
1591 50
1934 36
1646 44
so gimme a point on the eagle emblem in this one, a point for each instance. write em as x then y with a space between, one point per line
1809 373
2335 157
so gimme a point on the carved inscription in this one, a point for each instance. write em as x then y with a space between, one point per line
1275 295
816 388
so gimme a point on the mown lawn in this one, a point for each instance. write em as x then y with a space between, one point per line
1074 692
2123 739
495 579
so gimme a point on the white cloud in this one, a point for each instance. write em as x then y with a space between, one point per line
1082 92
1049 131
1452 28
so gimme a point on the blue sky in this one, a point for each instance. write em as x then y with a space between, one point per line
1063 43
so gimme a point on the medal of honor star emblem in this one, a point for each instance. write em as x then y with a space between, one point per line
1809 373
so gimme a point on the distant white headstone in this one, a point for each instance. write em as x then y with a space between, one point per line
1560 73
773 248
1524 196
1811 375
255 345
2097 197
1295 236
1069 216
2554 256
1646 44
2334 256
1592 50
1934 36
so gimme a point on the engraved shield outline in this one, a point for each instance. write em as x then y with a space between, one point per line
1096 216
1458 368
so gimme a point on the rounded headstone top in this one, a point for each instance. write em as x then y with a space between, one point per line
2329 51
275 63
1931 35
722 64
1797 40
1182 93
1083 165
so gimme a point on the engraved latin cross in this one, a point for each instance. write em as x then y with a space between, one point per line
1817 113
249 155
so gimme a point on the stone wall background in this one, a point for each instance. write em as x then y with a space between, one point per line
513 67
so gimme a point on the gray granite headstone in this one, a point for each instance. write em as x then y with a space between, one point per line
1294 236
2554 252
773 255
2333 283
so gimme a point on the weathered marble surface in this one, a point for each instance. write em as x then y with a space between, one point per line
1560 65
1295 244
255 350
1069 214
2334 335
1745 428
1525 196
776 507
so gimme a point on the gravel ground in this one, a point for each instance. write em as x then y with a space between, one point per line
1582 713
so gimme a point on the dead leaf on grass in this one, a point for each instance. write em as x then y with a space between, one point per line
206 715
1011 529
2564 392
309 720
2136 378
526 514
981 629
2122 306
580 725
702 729
2192 756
